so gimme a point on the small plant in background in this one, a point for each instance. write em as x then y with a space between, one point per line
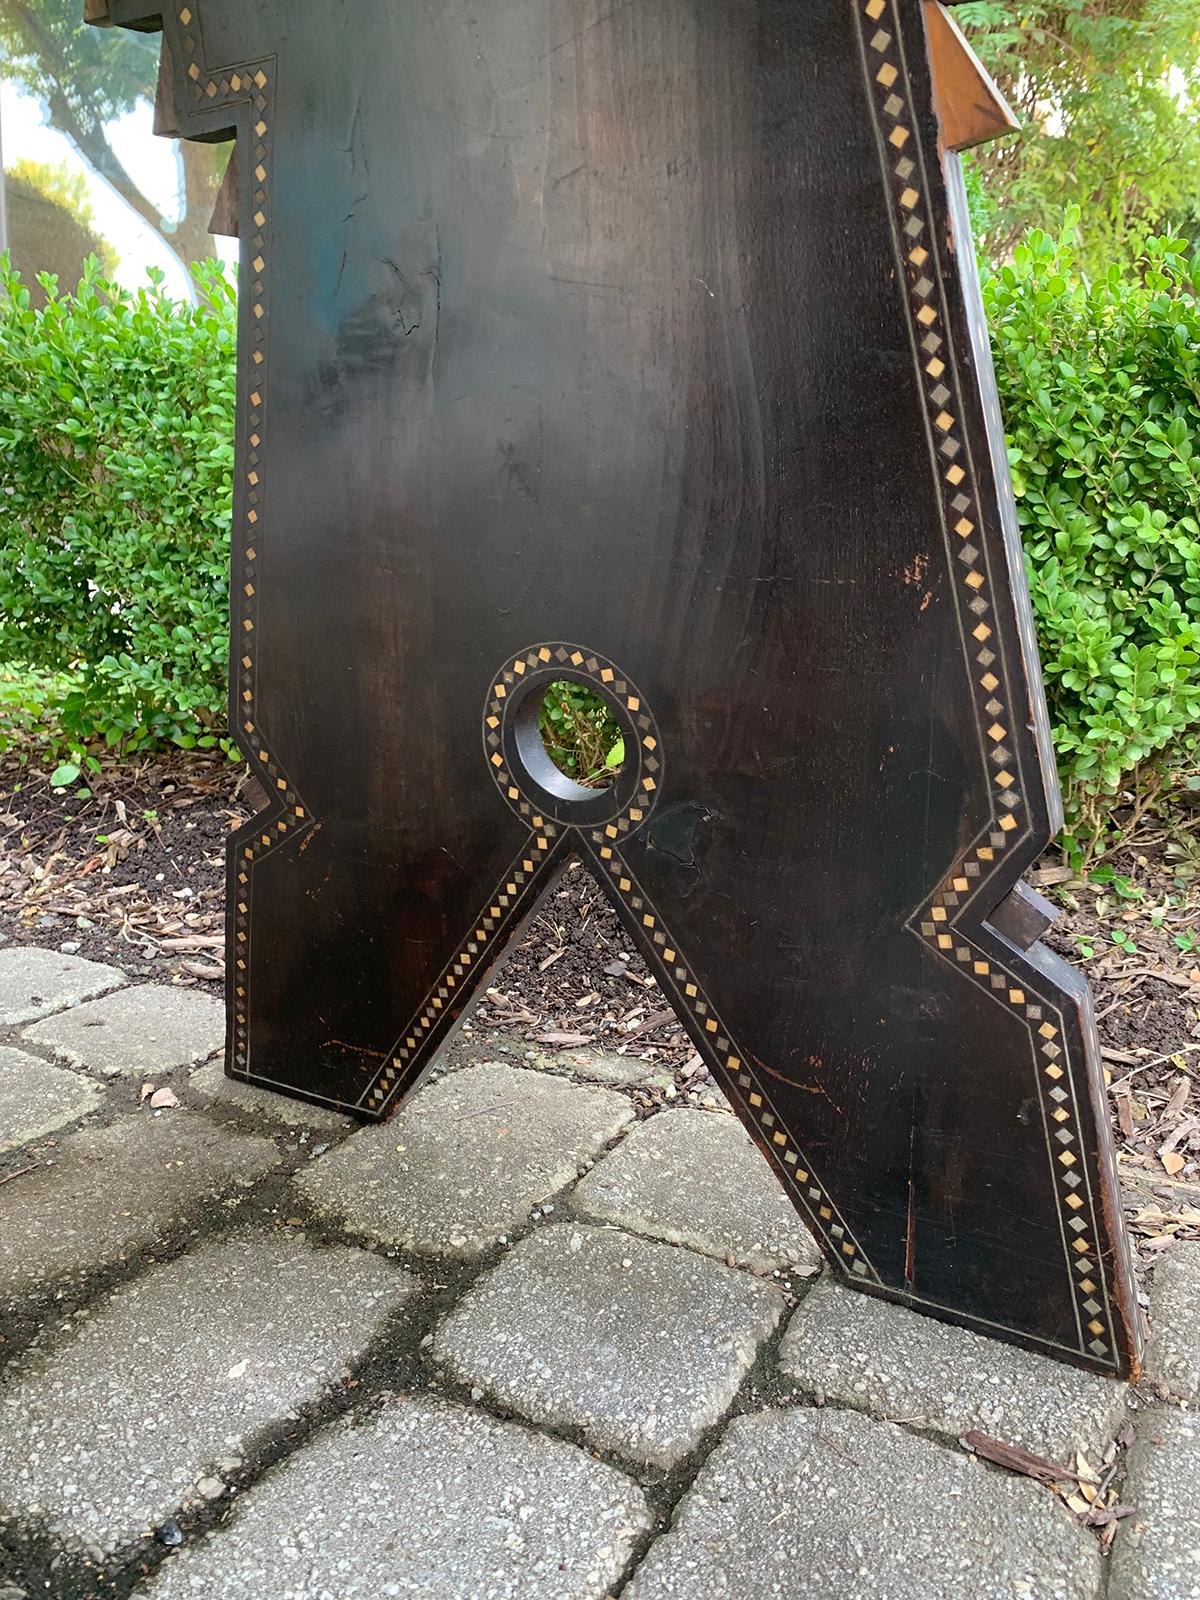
1122 886
28 702
581 735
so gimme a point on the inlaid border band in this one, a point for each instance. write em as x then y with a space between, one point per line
943 921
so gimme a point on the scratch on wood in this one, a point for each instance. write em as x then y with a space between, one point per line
355 1049
805 1088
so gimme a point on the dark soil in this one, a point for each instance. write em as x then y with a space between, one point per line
134 874
574 979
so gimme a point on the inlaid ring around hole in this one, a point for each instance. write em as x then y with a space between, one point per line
521 767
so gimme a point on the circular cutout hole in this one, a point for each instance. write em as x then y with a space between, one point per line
570 741
575 742
580 734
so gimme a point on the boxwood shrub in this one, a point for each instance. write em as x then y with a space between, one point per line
116 459
1100 389
116 444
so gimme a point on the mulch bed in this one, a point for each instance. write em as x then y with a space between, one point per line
134 874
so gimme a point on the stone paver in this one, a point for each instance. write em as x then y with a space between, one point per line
829 1505
584 1065
618 1322
1173 1349
856 1351
583 1062
696 1178
607 1067
138 1032
1157 1553
471 1508
37 1099
465 1161
112 1191
211 1084
103 1438
641 1346
33 983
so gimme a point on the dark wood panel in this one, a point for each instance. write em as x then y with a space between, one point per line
641 344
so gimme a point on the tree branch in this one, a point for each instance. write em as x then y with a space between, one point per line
88 135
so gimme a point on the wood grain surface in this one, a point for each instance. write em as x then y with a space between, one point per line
640 343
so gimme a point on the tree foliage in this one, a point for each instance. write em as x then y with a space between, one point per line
1108 93
85 77
50 224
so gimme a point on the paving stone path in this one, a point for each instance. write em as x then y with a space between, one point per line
524 1340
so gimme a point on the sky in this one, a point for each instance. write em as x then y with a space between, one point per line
151 162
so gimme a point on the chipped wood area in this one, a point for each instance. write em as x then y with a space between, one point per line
971 108
224 220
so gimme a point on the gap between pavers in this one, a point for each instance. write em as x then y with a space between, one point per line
585 1064
640 1346
34 983
215 1088
1157 1550
163 1386
604 1067
136 1032
421 1497
37 1099
110 1192
854 1350
1173 1348
465 1161
697 1178
830 1505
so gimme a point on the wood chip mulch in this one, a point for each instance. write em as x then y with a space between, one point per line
134 874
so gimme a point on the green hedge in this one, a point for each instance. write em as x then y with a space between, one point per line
1100 389
116 437
116 427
